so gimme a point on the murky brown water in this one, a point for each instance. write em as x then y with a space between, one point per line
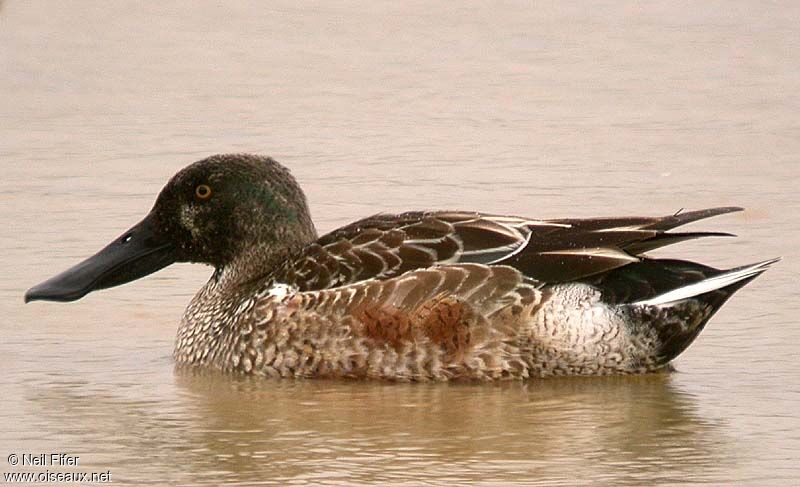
549 111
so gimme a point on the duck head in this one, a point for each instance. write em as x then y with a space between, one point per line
235 211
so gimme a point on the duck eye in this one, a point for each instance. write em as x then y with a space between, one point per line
203 191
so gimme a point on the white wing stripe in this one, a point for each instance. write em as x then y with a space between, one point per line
520 222
595 252
516 250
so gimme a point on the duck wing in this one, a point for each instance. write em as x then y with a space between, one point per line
588 247
387 245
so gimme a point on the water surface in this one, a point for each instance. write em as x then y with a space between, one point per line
588 110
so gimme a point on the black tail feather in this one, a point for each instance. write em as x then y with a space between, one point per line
658 296
675 339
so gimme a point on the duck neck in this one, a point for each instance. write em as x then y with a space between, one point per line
255 262
212 311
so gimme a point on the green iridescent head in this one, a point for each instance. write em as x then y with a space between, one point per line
223 210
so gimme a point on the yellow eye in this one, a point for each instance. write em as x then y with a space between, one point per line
203 192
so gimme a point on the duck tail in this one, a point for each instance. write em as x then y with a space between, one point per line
730 281
677 316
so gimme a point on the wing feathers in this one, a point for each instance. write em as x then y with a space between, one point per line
682 218
593 246
664 239
384 246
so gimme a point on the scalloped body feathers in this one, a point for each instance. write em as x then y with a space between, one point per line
435 295
462 295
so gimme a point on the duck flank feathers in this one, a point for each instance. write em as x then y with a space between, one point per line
434 295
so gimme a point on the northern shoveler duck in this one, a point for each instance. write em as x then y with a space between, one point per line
432 295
